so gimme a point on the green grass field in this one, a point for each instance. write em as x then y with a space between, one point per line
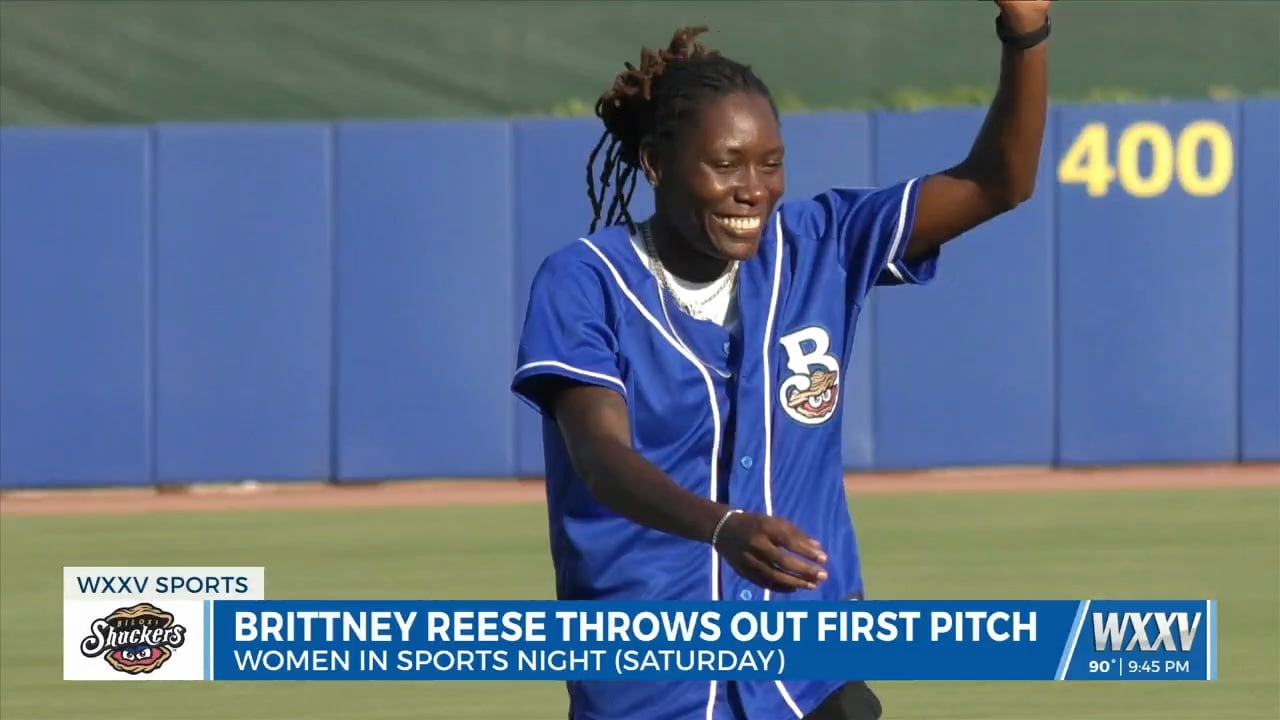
1221 544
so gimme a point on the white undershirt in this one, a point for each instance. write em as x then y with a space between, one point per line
721 311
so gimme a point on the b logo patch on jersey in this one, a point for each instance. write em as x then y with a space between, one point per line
812 391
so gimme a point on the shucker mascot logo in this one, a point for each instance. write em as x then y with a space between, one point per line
810 394
134 640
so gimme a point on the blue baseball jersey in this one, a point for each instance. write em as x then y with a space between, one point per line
750 417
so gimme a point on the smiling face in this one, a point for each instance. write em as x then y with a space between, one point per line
722 177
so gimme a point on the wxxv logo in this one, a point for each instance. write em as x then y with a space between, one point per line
133 640
1112 629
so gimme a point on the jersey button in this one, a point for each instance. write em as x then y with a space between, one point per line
745 594
725 347
746 462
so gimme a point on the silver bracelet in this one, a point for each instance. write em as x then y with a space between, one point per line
715 534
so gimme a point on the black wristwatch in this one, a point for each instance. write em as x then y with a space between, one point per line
1021 41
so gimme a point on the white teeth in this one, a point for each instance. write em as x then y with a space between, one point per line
739 223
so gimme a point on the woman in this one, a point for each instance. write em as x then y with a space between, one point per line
688 367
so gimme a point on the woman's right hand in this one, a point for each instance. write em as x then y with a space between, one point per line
771 552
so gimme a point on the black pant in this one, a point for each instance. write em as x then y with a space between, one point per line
853 701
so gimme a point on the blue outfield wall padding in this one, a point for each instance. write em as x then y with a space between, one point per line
74 307
1148 217
964 365
1260 281
203 303
424 309
244 271
829 150
551 210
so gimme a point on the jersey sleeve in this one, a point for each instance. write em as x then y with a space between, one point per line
565 334
870 228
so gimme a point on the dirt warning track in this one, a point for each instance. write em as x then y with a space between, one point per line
444 492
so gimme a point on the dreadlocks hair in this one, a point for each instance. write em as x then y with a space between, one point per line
650 104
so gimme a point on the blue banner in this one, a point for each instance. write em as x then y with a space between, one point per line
872 640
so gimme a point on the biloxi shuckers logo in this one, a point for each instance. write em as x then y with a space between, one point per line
133 640
810 394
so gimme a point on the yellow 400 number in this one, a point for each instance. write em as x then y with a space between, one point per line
1088 161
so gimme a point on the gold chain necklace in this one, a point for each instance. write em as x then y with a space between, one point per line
726 281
